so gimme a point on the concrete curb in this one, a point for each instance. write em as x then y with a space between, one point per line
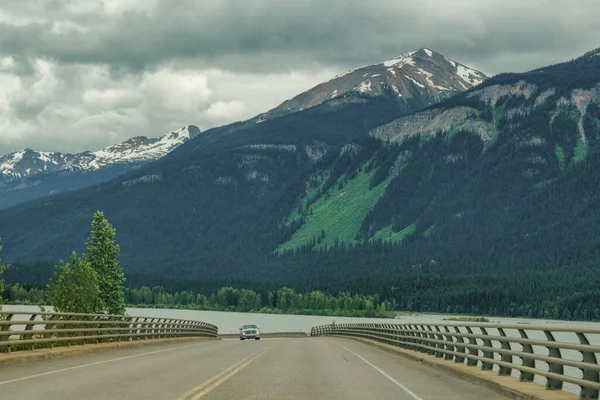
41 354
508 386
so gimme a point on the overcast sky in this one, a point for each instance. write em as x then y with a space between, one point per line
81 74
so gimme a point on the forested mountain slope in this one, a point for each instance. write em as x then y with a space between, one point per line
498 184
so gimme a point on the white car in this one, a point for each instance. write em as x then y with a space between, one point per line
249 332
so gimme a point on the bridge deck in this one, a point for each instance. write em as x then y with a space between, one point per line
306 368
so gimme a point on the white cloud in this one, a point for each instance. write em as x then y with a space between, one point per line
226 110
177 90
121 6
111 99
78 107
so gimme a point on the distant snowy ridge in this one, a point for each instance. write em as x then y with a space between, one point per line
27 162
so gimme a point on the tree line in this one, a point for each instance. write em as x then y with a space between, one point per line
281 301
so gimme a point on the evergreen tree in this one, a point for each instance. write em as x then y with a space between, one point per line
74 287
102 254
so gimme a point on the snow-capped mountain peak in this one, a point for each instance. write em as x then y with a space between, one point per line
139 149
400 60
423 75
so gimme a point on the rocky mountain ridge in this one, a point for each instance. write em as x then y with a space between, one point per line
413 79
27 162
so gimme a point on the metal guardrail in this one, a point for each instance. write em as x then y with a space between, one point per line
533 351
29 330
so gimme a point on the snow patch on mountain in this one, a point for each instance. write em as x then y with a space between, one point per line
405 58
415 82
364 87
469 75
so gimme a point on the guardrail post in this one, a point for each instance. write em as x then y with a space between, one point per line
554 384
472 351
67 326
49 326
439 354
134 328
27 335
410 331
430 336
448 347
161 328
176 328
487 343
416 335
5 348
459 349
526 361
152 327
505 371
392 336
166 328
155 327
588 374
141 331
423 335
149 331
88 328
125 329
98 333
173 327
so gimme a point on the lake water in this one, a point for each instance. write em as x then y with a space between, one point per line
229 322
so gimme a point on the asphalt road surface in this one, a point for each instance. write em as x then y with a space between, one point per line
304 368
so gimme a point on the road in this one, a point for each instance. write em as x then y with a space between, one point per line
305 368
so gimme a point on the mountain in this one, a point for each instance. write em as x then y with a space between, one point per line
29 174
354 194
413 80
487 202
27 162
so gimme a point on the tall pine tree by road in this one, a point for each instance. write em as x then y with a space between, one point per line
102 254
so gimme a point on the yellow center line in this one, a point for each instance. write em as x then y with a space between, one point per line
221 377
228 376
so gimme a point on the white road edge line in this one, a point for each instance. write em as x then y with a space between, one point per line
98 363
382 372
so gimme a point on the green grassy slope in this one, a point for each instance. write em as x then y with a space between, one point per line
338 213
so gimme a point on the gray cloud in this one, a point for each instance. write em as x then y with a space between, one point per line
116 66
272 35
